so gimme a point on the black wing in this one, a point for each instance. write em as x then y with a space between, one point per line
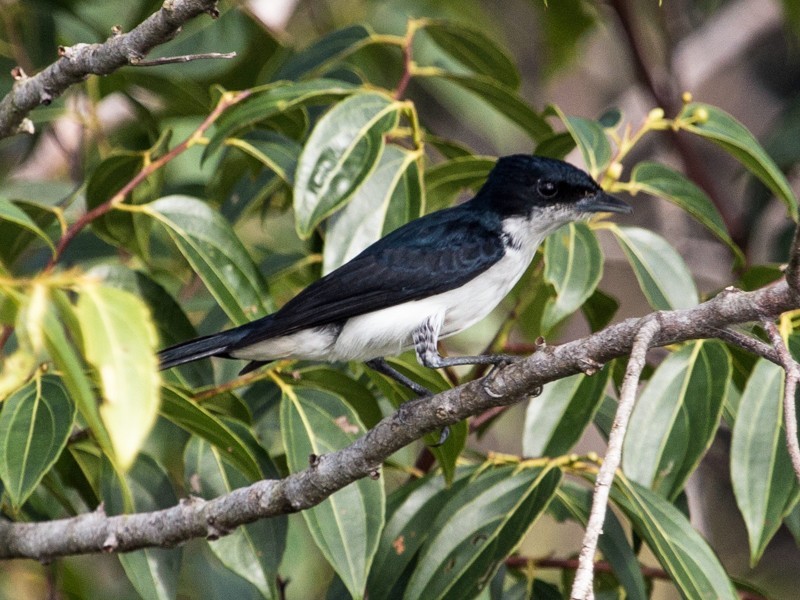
428 256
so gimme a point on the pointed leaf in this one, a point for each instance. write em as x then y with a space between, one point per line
35 424
499 96
555 420
663 276
120 343
676 417
324 53
11 214
718 126
573 265
761 470
211 247
346 526
341 151
478 528
364 219
188 415
273 100
276 152
475 50
444 181
592 141
659 180
684 554
410 511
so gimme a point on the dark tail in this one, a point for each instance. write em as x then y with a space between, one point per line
202 347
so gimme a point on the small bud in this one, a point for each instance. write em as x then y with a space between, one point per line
701 115
18 74
116 30
656 114
686 97
614 170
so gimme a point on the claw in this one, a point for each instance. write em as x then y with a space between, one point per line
445 433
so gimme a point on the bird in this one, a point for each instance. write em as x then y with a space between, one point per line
428 279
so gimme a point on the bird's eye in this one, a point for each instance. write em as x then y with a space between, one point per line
546 189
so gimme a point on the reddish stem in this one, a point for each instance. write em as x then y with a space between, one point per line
406 77
147 170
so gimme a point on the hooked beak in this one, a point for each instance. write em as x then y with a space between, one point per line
602 202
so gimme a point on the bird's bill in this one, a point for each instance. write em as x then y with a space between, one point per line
602 202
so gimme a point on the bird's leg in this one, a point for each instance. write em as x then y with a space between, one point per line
426 338
381 366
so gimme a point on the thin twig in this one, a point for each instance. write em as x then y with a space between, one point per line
748 343
790 387
582 586
168 60
601 566
81 60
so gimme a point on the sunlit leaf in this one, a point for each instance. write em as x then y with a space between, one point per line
276 152
13 217
35 423
120 343
346 526
216 254
676 417
692 565
324 52
761 471
718 126
573 265
340 153
591 140
663 276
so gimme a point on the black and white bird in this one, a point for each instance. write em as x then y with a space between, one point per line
429 279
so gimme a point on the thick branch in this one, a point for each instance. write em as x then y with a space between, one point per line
79 61
192 518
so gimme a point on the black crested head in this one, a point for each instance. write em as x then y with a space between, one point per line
520 184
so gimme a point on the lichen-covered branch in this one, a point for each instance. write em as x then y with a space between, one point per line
97 532
79 61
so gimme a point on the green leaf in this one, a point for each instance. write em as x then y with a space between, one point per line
663 276
120 343
340 153
676 417
500 97
35 424
271 101
475 50
720 127
761 470
659 180
576 502
692 565
190 416
11 214
410 511
443 182
591 139
358 395
599 309
276 152
363 220
116 227
555 420
346 526
211 247
324 53
252 551
478 528
573 265
146 487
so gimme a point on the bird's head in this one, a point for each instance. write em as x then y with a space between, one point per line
545 189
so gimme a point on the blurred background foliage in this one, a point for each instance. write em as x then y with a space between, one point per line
604 65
